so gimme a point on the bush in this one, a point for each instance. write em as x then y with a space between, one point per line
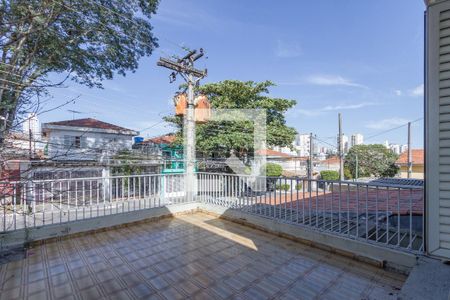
283 187
348 173
298 186
329 175
273 170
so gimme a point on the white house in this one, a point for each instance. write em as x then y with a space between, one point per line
85 139
292 165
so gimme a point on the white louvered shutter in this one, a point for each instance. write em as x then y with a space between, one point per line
438 129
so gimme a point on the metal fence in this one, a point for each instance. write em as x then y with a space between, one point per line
385 214
36 203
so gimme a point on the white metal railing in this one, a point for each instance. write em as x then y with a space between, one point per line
385 214
33 203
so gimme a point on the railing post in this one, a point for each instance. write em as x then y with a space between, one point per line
106 184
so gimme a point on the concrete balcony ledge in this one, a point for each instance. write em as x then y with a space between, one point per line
22 237
426 277
382 257
189 256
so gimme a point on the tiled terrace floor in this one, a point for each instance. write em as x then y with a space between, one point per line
192 256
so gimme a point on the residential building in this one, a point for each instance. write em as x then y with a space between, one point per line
357 139
395 148
417 159
18 144
172 155
292 165
31 128
302 144
345 144
331 163
286 150
403 148
85 139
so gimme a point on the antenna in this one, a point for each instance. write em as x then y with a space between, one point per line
74 112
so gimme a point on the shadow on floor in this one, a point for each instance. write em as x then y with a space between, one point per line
193 255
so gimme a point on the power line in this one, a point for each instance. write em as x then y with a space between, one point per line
392 129
327 143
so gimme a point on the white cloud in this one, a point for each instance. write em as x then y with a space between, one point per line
348 106
309 112
332 80
386 123
417 91
287 50
398 92
328 108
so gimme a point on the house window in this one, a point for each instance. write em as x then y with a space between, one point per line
74 142
77 143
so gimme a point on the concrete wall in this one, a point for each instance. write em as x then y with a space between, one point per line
96 142
417 172
362 251
18 238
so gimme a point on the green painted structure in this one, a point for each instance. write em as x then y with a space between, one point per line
173 159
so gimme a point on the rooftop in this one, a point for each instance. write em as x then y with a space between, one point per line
417 157
330 161
196 256
163 139
92 123
274 153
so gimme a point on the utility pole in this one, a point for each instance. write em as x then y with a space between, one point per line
30 136
341 149
409 151
310 163
185 67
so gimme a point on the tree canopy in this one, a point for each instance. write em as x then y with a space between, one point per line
273 170
329 175
221 137
90 40
373 160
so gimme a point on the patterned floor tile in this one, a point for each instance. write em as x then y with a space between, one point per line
193 256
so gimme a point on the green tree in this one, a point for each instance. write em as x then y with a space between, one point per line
373 160
347 173
126 164
273 170
329 175
90 40
219 138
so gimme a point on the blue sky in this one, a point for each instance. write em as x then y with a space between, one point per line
362 58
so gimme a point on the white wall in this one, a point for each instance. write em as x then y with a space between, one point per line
96 143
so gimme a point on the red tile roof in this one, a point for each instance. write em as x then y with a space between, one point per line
89 123
163 139
331 161
270 152
395 201
417 157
